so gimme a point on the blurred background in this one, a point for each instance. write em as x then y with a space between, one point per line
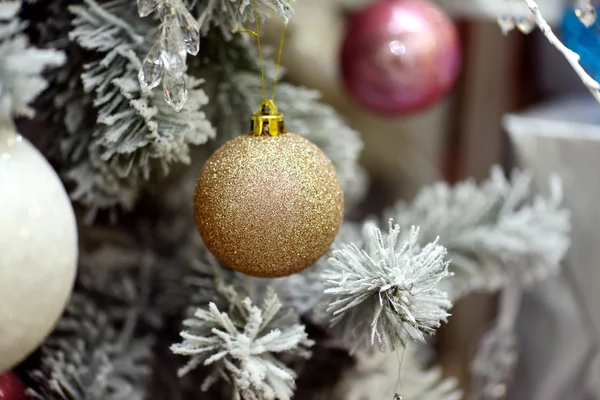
462 135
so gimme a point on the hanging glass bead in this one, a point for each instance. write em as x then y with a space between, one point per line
525 24
179 35
172 47
145 7
586 12
585 41
152 69
174 90
190 29
506 23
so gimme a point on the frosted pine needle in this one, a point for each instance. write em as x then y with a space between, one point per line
241 345
391 285
492 229
21 65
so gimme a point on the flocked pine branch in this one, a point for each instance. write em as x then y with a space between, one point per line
188 281
122 272
494 364
241 343
231 14
21 65
375 377
89 358
387 291
137 135
492 229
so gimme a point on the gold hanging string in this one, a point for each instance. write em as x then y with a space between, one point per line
256 34
398 396
260 54
278 61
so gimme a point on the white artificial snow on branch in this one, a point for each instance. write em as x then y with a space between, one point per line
90 357
375 377
228 15
241 345
21 66
570 56
492 230
137 137
388 291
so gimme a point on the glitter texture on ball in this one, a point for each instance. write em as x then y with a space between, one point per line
400 56
268 206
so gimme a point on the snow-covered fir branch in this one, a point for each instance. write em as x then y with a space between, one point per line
492 229
229 15
375 377
122 271
188 281
494 364
89 358
387 291
240 343
137 136
21 65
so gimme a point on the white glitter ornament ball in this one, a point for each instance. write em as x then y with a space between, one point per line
38 248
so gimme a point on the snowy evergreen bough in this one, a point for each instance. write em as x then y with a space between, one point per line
375 377
491 229
227 16
137 135
241 345
387 291
21 65
89 357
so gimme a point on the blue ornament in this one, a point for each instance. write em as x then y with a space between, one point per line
583 41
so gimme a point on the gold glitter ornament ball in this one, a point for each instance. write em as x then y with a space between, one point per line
268 206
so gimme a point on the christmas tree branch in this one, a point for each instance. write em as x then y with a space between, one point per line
492 229
21 65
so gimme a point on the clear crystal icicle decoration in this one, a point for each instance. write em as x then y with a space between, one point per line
152 68
526 24
179 35
506 23
145 7
586 12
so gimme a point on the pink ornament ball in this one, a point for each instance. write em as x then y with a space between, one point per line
11 387
400 56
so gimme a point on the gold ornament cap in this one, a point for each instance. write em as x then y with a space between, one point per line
267 120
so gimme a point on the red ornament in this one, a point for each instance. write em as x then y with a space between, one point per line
400 56
11 387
